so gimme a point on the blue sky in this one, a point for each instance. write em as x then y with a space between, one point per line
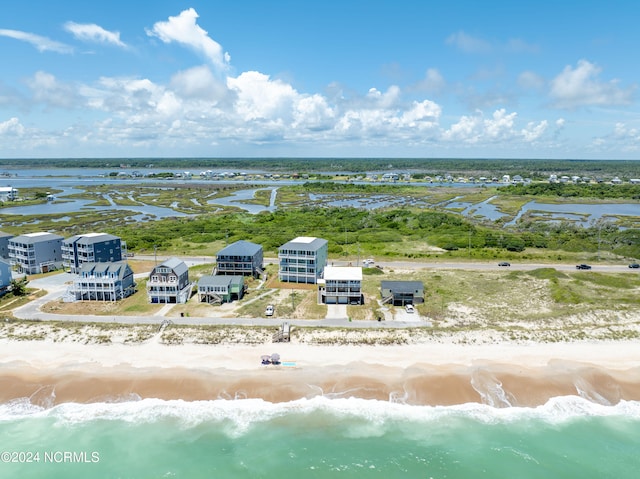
499 79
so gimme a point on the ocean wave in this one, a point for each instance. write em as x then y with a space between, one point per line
366 416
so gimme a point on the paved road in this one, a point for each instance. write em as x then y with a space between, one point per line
56 286
475 265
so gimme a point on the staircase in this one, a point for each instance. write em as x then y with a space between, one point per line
282 336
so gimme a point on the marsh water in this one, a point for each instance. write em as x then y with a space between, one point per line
78 180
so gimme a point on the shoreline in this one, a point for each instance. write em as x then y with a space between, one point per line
434 374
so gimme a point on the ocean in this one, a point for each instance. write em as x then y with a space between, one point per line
568 437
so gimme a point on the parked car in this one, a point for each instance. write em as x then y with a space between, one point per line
634 265
504 263
269 310
409 308
583 266
367 263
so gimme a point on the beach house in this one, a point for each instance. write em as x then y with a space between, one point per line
110 281
5 276
340 285
240 258
169 282
4 245
302 260
8 193
91 248
400 293
220 288
35 253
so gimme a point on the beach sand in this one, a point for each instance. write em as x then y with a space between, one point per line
431 373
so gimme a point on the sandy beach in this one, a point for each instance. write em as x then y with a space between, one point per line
500 375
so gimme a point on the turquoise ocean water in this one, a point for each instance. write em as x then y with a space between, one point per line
569 437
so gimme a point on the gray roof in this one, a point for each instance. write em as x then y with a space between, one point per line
90 238
177 265
402 286
240 248
33 238
220 280
304 244
121 268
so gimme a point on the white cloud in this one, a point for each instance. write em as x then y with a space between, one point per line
46 89
433 81
534 131
94 33
11 127
580 86
622 131
422 115
260 97
500 128
183 29
467 43
384 100
199 82
42 44
313 113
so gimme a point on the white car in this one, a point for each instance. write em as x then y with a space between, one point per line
269 310
368 262
409 308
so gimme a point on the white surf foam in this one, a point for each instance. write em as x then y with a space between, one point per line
237 416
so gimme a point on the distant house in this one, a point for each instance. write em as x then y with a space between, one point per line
5 276
111 281
341 285
8 193
91 248
4 245
169 282
400 293
35 253
220 288
242 257
302 260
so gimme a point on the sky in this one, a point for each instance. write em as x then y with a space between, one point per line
349 78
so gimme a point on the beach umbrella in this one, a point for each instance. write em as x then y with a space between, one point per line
275 358
265 358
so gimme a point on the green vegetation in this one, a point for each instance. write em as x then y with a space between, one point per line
574 190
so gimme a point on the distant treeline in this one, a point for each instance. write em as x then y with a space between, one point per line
527 168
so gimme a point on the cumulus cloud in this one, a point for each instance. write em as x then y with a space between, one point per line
534 131
91 32
48 90
467 43
199 83
183 29
623 132
260 97
433 81
11 127
500 128
42 44
580 86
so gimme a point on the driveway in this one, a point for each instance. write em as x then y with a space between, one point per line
336 311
